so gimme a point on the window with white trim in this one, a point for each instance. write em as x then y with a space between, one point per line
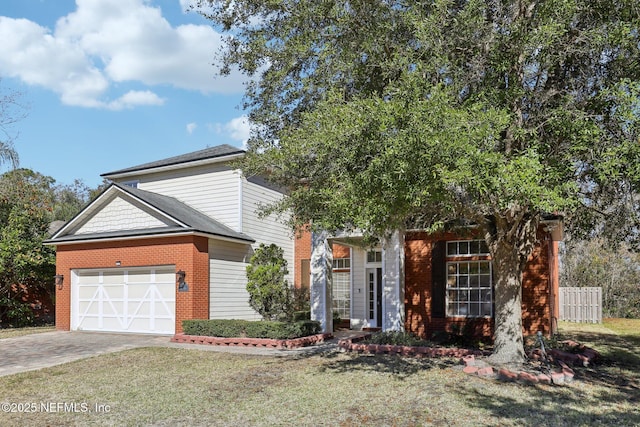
341 263
342 294
467 248
342 287
374 257
470 280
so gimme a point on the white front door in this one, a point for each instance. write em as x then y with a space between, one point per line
124 300
374 297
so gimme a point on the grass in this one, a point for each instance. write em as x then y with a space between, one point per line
618 341
18 332
168 386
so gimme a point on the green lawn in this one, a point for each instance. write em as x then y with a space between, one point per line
166 386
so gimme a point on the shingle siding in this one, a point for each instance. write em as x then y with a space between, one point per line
118 215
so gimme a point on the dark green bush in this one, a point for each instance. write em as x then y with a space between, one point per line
15 313
243 328
301 299
398 338
301 315
269 293
304 328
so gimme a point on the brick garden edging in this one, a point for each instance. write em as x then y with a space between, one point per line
354 344
563 374
584 356
252 342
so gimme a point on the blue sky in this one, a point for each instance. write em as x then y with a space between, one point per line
114 83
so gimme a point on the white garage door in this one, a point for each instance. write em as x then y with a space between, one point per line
118 300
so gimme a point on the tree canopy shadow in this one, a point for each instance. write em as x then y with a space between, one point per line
554 406
401 367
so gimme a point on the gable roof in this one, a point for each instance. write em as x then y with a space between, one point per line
215 154
180 219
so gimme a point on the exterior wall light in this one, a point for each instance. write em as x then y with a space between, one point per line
59 280
182 285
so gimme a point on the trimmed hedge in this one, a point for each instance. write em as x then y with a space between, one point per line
397 338
244 328
301 315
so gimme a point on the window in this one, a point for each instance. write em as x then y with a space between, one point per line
132 184
469 282
467 247
342 294
342 263
374 256
305 273
342 287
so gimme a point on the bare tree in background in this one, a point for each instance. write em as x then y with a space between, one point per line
597 262
11 112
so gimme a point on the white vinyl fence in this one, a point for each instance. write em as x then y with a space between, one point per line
583 305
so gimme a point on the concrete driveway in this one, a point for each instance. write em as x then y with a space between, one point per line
30 352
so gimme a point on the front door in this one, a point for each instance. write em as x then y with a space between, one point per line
374 297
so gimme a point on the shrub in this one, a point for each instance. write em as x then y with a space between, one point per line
398 338
301 299
243 328
301 315
269 293
16 313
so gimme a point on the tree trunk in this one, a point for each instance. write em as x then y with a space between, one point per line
511 237
508 340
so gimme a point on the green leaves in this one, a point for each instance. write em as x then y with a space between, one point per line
373 113
269 293
25 214
389 114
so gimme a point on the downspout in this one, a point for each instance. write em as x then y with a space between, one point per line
553 284
240 200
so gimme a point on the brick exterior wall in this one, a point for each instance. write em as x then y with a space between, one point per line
536 290
188 253
417 278
340 251
302 252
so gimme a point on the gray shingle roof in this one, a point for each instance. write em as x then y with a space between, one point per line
185 213
193 220
207 153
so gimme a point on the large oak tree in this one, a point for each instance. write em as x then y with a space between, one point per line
385 114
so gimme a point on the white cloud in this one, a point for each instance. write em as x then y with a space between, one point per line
238 129
191 127
135 98
112 41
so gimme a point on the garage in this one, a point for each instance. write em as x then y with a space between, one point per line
140 300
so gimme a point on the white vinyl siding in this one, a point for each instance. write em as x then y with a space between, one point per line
266 230
228 296
223 194
211 189
119 215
